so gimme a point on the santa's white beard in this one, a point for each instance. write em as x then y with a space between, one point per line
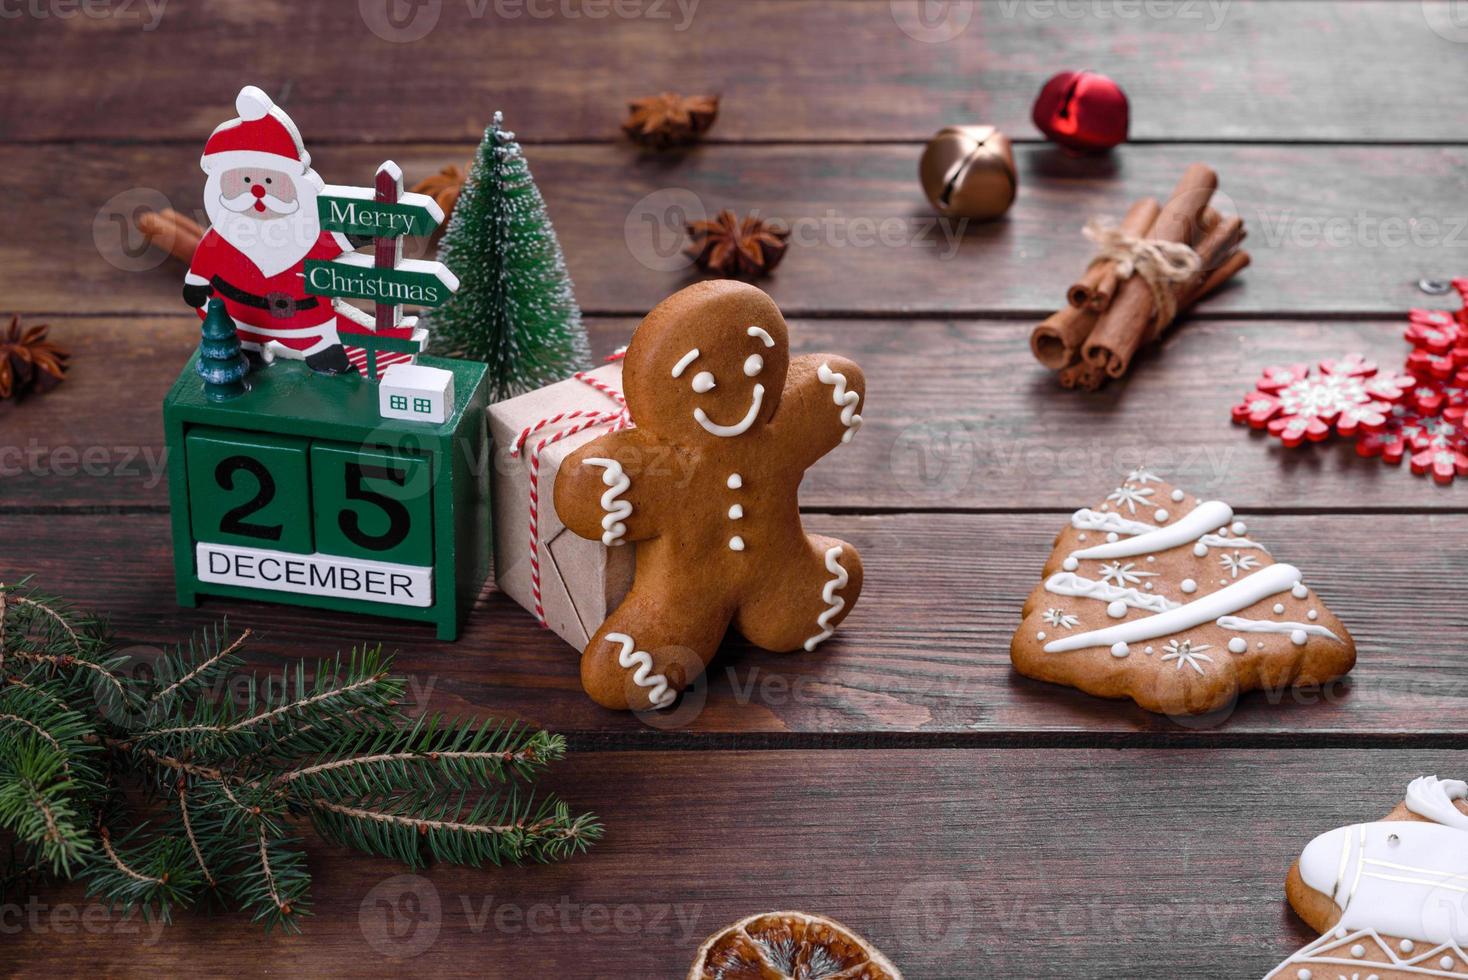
273 244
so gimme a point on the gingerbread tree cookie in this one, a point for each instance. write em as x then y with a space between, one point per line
726 423
1387 896
1161 597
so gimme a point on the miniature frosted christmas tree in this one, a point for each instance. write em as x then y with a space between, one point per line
515 309
222 365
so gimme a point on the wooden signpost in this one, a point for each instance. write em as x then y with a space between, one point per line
386 213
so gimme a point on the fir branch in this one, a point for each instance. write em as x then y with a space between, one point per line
50 739
269 875
55 617
183 812
117 862
231 774
202 668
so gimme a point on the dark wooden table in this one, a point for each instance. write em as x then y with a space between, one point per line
903 779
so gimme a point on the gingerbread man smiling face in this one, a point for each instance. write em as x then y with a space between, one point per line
726 425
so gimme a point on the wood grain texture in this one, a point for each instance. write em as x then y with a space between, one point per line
958 416
864 240
818 70
957 864
924 656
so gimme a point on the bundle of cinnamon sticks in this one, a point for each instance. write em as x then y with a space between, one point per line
1110 315
175 233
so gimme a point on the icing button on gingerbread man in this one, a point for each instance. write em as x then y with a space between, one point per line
705 485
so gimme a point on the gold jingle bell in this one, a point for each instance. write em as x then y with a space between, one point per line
968 172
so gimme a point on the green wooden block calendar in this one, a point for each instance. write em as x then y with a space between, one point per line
299 491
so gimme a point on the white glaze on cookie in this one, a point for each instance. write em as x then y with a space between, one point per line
1225 602
1430 797
845 400
684 361
738 428
1068 583
1219 541
1397 877
762 334
618 510
1207 515
640 663
1240 625
1087 519
834 603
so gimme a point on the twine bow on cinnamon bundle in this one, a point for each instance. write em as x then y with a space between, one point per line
1146 272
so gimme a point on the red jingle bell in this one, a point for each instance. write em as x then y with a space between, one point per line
1082 110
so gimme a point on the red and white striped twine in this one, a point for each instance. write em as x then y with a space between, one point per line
581 420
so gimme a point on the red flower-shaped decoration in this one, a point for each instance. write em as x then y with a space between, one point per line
1344 395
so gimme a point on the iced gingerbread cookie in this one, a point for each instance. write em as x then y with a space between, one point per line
1166 599
725 425
1389 897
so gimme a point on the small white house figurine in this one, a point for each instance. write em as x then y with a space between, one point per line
415 393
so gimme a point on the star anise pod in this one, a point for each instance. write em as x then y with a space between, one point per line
28 361
727 246
444 187
670 119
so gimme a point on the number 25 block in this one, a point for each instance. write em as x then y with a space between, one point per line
298 491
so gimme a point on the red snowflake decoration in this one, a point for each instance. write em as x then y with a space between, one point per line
1430 426
1433 445
1344 395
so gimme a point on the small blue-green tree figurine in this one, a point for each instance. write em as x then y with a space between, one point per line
222 364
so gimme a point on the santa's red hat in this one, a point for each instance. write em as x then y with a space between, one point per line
263 136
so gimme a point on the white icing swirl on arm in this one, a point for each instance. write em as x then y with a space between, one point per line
618 510
846 400
1430 797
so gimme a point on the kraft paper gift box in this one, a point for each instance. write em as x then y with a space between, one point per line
581 580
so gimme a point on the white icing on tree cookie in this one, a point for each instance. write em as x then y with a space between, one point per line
1207 515
1225 602
1240 625
1069 583
1086 519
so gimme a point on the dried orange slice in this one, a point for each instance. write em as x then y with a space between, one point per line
789 946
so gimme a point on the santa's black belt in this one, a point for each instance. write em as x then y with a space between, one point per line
282 306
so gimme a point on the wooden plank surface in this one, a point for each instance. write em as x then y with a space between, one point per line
1333 230
923 659
957 864
793 70
969 821
960 417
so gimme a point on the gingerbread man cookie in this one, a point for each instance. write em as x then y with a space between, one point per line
1388 896
726 424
